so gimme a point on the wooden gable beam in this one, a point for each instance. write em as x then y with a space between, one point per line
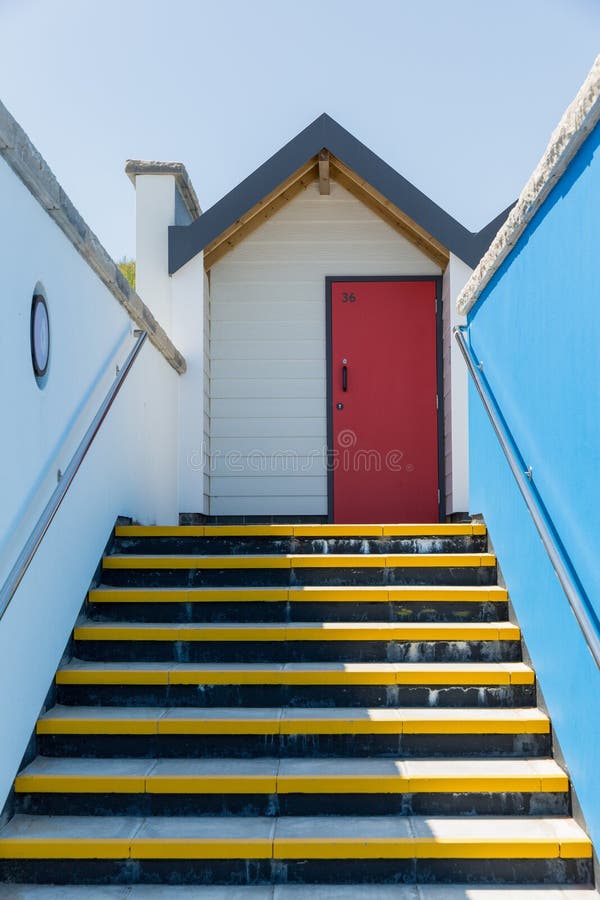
324 185
324 167
388 211
260 213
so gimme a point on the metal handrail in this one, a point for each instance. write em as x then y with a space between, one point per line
23 561
579 601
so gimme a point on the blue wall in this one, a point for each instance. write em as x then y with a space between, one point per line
536 328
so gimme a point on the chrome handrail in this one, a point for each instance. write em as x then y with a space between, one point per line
579 602
23 561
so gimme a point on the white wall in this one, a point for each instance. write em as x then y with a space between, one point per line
178 302
154 212
131 469
456 385
267 348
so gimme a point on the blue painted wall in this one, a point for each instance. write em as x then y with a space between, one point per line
536 328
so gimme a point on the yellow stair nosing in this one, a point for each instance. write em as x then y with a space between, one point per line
286 784
361 674
286 848
201 848
291 721
79 784
61 848
289 848
310 560
419 848
330 631
307 530
308 594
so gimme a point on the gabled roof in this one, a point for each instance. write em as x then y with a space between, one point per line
357 168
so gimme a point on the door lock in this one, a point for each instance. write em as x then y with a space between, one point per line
339 405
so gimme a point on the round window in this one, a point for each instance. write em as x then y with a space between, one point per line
40 335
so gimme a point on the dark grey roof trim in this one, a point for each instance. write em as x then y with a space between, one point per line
185 241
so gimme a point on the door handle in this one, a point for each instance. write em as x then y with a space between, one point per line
344 378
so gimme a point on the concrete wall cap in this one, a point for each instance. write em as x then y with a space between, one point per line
577 123
135 167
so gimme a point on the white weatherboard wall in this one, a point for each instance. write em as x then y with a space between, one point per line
267 348
456 392
131 469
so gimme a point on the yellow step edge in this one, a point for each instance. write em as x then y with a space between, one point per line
378 721
414 725
576 849
322 530
79 784
96 726
351 674
283 848
194 848
309 560
195 562
125 784
113 676
178 633
248 531
451 725
409 848
287 784
308 594
287 848
46 848
330 631
377 784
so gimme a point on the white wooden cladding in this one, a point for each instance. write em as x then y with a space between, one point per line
267 348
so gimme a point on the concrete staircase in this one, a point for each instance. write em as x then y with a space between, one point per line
293 712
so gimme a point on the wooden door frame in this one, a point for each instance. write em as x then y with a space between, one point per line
437 280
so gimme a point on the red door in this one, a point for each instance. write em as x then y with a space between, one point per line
383 389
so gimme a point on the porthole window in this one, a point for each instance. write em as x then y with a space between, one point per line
40 337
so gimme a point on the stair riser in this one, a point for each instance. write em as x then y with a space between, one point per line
298 651
245 746
296 695
313 871
250 611
496 804
239 546
319 575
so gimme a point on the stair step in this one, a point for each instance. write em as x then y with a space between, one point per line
321 530
324 684
300 561
472 673
89 630
272 776
351 603
311 837
272 698
299 892
115 720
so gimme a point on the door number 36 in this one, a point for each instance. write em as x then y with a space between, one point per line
348 298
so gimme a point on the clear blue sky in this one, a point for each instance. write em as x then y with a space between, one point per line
459 95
